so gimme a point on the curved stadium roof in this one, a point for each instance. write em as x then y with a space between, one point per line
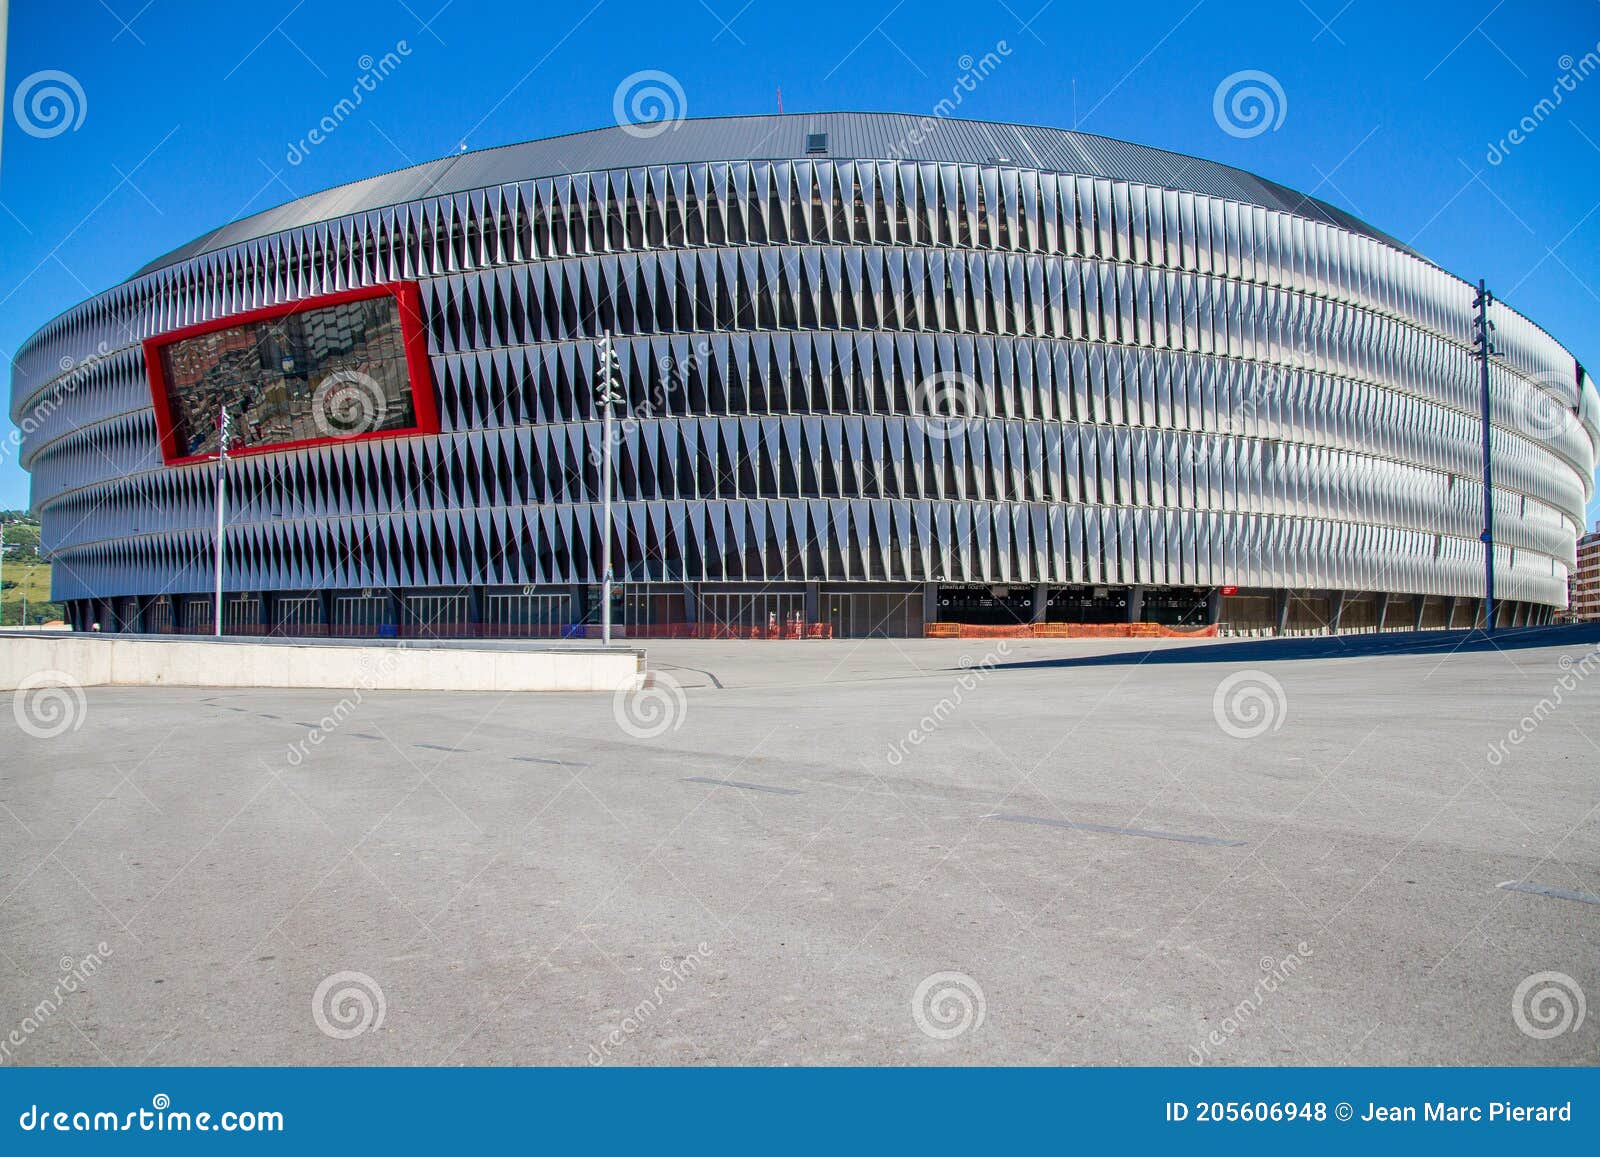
851 136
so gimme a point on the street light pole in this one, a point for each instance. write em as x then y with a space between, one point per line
606 396
1483 328
222 512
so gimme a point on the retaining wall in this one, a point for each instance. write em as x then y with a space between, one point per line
131 661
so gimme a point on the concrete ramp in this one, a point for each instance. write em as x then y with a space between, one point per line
28 658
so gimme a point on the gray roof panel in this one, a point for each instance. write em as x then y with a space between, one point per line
851 136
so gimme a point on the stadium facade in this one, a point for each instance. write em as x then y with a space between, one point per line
879 372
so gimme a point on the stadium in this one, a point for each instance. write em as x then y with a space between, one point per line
880 375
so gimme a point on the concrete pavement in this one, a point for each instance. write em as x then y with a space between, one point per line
923 852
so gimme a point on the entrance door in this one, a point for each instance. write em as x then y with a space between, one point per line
875 614
300 615
363 614
743 614
437 616
528 615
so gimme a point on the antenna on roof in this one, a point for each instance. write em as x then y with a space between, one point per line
780 100
1074 104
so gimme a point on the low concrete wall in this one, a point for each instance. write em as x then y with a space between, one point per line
134 661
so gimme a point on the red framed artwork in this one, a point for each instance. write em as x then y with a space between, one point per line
334 368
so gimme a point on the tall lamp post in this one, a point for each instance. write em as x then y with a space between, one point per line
1483 343
222 513
606 395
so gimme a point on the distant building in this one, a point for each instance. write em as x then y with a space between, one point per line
1586 578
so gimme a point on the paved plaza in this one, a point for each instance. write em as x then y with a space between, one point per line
863 852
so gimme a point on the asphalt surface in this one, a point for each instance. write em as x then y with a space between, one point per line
928 852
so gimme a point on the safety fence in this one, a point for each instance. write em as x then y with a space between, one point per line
1067 631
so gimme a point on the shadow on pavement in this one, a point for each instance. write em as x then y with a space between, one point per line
1334 647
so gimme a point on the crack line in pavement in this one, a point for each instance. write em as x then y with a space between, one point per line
1547 890
1110 829
744 786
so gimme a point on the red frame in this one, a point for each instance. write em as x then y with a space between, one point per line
408 301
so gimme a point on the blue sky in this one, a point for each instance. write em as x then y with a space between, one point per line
189 110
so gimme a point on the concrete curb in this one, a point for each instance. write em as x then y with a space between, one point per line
130 661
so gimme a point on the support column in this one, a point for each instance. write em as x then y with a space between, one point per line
813 602
1041 600
1450 612
1135 604
930 603
691 603
1383 610
1284 598
1336 611
1213 608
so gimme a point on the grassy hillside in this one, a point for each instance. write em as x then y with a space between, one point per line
26 575
33 580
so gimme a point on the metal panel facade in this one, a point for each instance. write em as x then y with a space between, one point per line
839 369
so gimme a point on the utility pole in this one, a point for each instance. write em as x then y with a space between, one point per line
222 512
606 395
1483 344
